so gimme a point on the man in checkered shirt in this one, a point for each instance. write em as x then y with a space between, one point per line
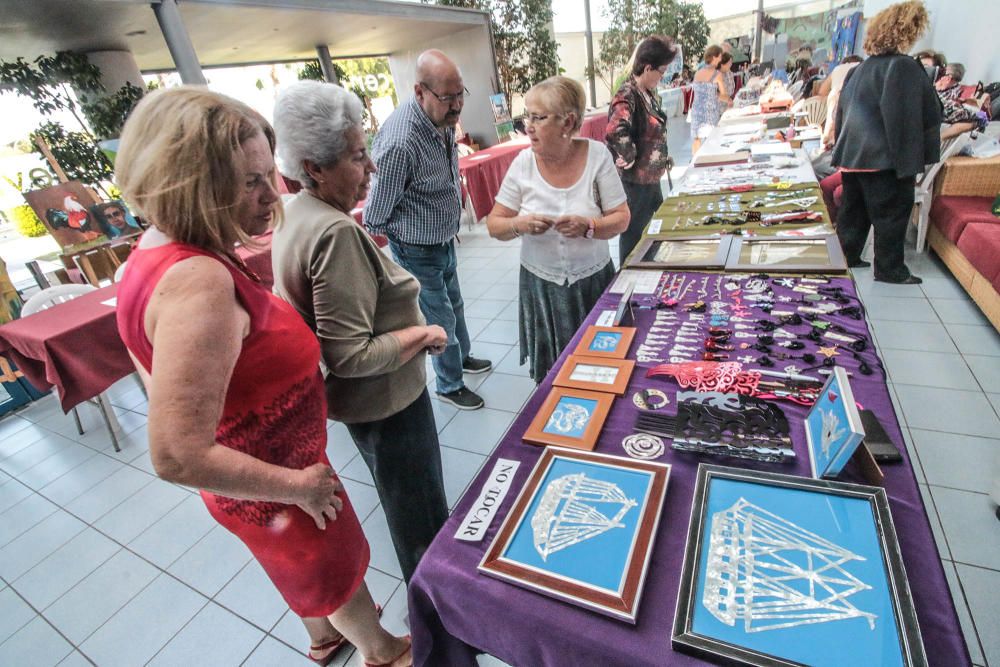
416 201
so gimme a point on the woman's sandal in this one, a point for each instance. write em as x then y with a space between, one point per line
409 647
333 646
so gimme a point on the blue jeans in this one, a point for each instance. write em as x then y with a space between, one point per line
436 268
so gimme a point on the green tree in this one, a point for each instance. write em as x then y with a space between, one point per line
522 38
68 82
630 21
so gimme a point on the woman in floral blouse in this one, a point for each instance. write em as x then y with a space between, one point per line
637 136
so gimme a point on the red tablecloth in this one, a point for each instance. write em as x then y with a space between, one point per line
595 126
73 346
483 172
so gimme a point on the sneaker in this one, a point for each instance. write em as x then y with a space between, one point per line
475 366
463 399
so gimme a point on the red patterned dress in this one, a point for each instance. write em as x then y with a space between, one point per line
275 410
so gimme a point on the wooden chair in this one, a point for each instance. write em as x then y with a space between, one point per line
97 264
59 294
923 191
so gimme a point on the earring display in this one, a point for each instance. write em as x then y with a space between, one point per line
786 570
692 252
581 531
819 254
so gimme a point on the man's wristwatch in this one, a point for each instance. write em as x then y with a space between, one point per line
590 229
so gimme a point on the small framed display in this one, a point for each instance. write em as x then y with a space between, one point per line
595 374
611 342
582 530
680 252
803 254
785 570
570 418
833 427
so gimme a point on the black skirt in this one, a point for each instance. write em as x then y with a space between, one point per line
550 315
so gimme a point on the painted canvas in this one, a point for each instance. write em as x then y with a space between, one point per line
794 571
582 529
64 210
114 220
833 427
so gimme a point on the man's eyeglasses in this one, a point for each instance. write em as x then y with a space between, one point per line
446 99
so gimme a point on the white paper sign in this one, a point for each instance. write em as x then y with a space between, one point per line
642 282
654 225
480 516
113 302
606 319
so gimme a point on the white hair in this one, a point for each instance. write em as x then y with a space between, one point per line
311 120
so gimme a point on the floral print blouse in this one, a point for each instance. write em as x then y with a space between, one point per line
637 133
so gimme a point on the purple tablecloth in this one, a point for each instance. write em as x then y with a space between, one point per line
456 612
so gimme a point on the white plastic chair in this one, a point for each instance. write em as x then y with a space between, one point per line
52 296
815 107
923 191
119 272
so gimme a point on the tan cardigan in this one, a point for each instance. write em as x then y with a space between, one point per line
353 296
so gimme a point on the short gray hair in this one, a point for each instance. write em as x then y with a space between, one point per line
955 71
311 120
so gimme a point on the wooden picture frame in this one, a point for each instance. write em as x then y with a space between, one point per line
692 252
832 261
569 418
606 375
619 532
784 571
597 342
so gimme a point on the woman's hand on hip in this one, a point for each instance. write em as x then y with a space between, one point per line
318 490
436 340
572 226
534 224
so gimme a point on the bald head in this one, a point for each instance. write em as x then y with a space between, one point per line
439 77
434 68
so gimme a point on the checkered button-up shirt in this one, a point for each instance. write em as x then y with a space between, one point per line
416 196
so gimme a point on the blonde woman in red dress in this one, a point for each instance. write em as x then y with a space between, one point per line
236 402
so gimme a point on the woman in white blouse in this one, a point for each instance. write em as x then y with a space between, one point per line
565 200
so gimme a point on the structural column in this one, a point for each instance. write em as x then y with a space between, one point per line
178 42
325 64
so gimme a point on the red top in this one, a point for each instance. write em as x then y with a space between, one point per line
275 411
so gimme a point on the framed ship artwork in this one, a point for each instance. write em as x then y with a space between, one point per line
784 570
570 418
581 530
612 342
595 374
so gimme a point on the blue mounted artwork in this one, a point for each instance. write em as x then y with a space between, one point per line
570 417
605 341
789 570
581 530
833 427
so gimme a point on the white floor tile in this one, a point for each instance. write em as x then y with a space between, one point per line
100 595
272 653
36 644
477 431
213 637
161 610
211 563
35 544
506 392
14 613
181 528
66 567
383 555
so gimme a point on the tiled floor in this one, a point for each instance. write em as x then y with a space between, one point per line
101 562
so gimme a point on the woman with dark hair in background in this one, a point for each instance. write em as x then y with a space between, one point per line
637 136
888 129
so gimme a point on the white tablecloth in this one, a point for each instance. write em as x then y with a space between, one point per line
673 101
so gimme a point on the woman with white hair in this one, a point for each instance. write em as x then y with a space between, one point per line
564 197
363 308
